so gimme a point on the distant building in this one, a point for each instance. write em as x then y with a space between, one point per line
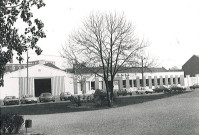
47 77
41 62
191 67
14 67
126 78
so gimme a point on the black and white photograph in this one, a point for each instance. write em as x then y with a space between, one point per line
99 67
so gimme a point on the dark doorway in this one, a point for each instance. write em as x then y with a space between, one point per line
42 85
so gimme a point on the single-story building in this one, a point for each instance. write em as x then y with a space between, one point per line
48 78
40 78
127 78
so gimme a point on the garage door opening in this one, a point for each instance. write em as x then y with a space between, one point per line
42 85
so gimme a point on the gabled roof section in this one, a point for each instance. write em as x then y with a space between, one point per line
196 56
51 65
47 65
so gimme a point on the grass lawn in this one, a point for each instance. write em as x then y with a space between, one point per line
64 107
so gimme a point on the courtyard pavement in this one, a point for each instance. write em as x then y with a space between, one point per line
175 115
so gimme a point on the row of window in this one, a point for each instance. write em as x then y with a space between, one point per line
13 68
133 82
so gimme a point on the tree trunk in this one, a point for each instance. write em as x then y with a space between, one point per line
110 94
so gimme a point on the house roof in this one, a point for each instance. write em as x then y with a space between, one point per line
30 65
87 70
51 65
196 56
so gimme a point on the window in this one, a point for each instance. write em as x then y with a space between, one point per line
174 81
124 83
153 82
163 81
147 82
158 80
141 82
178 80
92 85
130 83
134 83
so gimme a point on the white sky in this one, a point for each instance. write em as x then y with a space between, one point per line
172 26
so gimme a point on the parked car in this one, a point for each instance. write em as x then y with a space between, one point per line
194 86
46 97
28 99
10 100
163 88
177 88
124 92
143 90
65 96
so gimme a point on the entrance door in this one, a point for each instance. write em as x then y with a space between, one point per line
42 85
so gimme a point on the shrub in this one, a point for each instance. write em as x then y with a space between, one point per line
11 123
76 100
100 97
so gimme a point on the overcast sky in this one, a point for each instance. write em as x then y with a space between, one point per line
172 26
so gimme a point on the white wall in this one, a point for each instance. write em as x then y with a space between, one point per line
69 83
189 81
12 87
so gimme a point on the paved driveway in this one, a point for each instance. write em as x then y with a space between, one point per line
176 115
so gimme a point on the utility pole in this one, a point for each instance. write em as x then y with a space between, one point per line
142 73
27 71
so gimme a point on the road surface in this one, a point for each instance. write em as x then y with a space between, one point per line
175 115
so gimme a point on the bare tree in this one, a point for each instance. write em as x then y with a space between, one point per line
108 40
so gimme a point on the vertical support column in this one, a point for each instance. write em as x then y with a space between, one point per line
150 82
166 80
188 80
161 81
155 81
75 85
171 79
182 80
24 86
84 86
54 84
138 82
132 83
127 82
96 83
31 86
144 81
120 83
176 79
